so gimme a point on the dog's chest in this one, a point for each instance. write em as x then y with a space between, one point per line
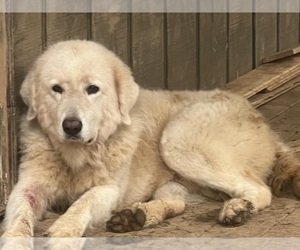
78 175
75 184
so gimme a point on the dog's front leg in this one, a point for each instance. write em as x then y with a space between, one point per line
93 207
26 203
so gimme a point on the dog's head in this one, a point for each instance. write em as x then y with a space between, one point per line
79 91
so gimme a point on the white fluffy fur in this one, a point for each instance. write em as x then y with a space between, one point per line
135 145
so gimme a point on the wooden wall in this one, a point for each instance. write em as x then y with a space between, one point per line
164 50
173 50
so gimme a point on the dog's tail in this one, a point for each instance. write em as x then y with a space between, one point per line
286 173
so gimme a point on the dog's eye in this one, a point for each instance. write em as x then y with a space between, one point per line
92 89
58 89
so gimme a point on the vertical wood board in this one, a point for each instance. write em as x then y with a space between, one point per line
182 51
288 30
26 45
213 50
66 26
265 36
148 58
240 57
112 30
5 178
26 39
3 154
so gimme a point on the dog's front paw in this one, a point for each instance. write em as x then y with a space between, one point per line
235 212
126 221
63 228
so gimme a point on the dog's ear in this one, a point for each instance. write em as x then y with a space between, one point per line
27 93
127 89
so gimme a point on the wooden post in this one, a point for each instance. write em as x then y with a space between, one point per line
5 185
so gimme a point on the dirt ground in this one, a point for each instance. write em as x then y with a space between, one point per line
282 219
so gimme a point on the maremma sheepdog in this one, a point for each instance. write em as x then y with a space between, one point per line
109 153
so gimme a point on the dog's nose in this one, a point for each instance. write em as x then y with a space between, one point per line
72 126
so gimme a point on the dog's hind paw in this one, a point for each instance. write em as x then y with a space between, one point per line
126 221
235 212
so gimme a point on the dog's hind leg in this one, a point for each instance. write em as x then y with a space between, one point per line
168 201
248 193
220 147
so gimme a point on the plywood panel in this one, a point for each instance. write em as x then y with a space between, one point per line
148 59
181 48
112 30
240 44
213 50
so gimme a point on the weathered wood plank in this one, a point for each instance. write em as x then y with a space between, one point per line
148 58
279 105
240 45
213 50
26 44
265 96
294 146
182 51
5 184
265 36
288 30
282 54
288 123
267 76
66 26
3 59
283 116
112 30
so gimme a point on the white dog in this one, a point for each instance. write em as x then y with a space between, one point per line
93 142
